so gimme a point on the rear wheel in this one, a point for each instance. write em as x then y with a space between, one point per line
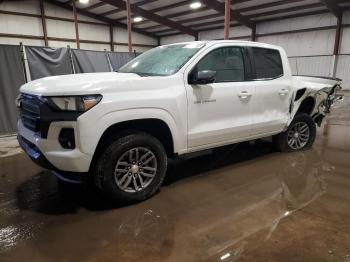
132 168
300 134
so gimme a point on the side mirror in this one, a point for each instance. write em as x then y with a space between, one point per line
203 77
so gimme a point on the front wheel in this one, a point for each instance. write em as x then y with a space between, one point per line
300 135
132 168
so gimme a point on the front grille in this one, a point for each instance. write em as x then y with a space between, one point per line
30 111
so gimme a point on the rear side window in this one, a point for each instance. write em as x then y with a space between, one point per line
268 63
226 61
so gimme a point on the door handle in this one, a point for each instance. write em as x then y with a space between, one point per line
283 92
244 94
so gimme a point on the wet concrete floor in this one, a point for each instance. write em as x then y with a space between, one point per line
239 203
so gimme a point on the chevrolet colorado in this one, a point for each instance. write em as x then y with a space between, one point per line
120 128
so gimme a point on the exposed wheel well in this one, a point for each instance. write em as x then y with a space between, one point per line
155 127
307 106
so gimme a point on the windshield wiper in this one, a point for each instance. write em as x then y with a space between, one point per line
141 74
148 74
129 73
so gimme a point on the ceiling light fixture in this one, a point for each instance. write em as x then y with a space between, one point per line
138 19
84 1
195 5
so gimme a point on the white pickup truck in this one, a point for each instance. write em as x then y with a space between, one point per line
120 128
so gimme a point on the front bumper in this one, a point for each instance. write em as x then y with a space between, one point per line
38 158
34 153
48 152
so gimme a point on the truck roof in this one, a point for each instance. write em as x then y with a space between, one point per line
212 42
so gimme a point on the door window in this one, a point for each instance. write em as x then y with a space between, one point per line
226 61
268 63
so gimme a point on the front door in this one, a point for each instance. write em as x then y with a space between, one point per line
220 113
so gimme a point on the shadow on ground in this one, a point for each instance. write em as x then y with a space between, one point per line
44 193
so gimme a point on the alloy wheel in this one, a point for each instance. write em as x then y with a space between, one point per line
135 169
298 135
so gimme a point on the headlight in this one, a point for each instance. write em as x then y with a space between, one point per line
74 103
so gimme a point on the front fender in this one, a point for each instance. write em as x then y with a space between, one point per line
90 133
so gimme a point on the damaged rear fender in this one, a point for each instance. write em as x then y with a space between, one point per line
322 100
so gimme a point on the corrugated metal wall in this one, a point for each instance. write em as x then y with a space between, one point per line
304 44
22 25
322 66
313 65
343 70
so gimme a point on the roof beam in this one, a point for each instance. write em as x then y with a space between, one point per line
165 31
293 16
95 16
151 16
235 15
145 2
282 17
267 5
174 5
156 26
286 10
192 11
43 21
217 15
227 19
76 25
240 10
337 36
110 12
215 24
333 7
128 12
93 6
199 18
193 20
182 13
282 11
211 26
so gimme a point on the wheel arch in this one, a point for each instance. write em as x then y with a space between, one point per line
152 126
307 105
303 103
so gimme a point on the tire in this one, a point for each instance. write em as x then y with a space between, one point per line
288 141
115 168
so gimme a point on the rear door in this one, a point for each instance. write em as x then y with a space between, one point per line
272 91
220 112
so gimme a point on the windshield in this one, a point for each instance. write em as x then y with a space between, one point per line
162 60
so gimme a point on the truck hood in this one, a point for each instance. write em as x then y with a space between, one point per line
78 84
